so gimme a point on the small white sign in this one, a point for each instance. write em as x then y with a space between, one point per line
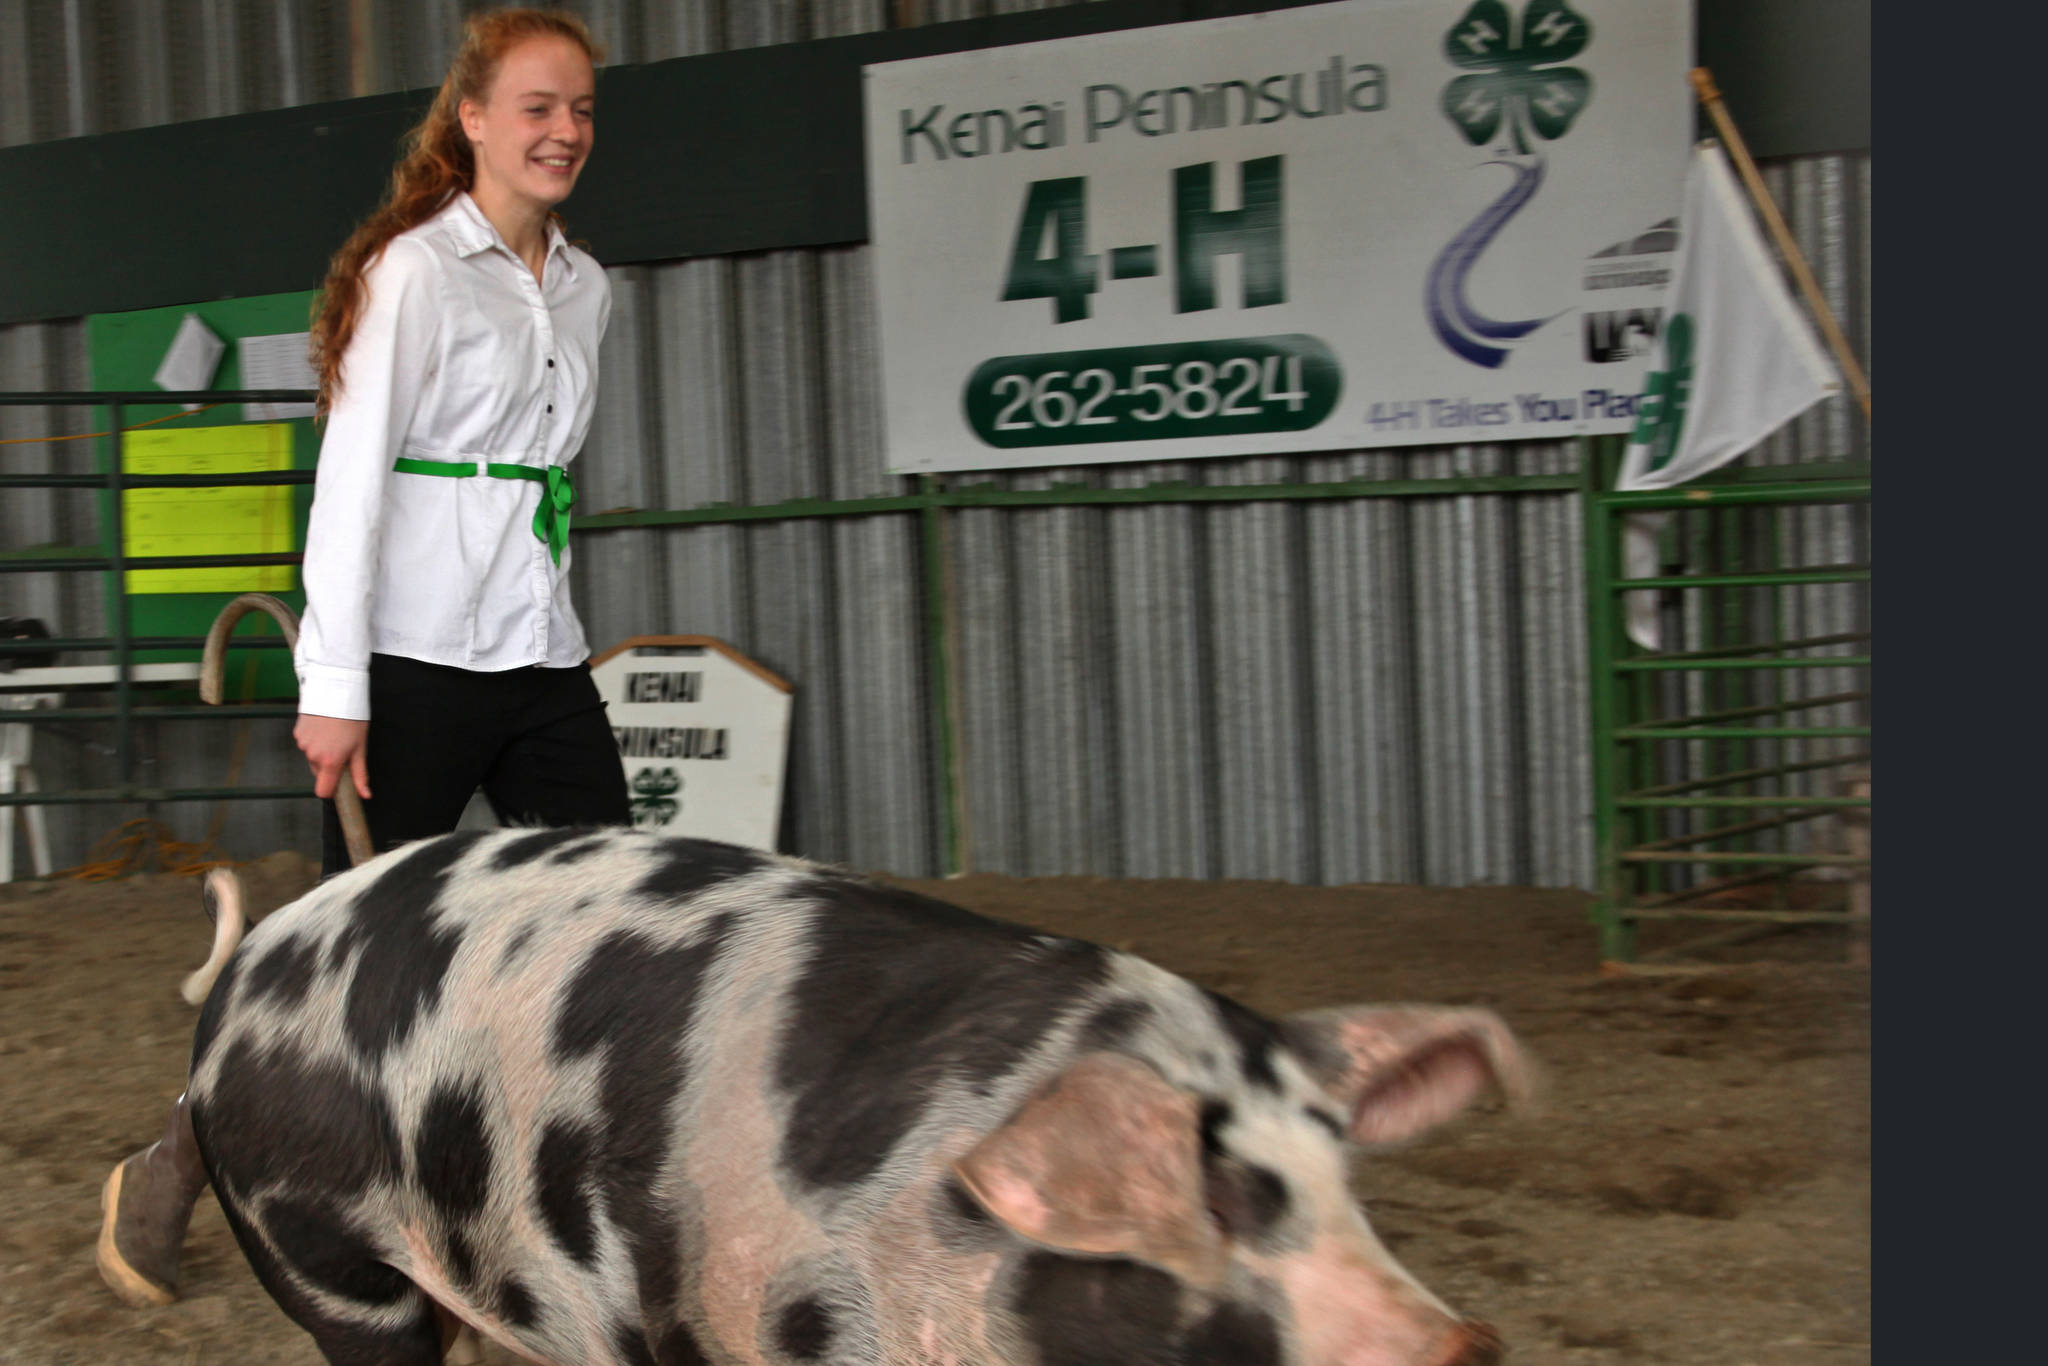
703 732
193 356
278 361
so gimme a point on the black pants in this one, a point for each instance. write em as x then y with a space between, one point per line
535 740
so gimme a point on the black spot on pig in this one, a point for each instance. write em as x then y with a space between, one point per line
451 1151
208 1028
286 972
1266 1195
1256 1038
1247 1199
1316 1046
1327 1120
460 1258
679 1347
903 997
559 1162
514 946
688 867
346 941
629 1342
804 1329
1112 1024
299 1124
958 1220
313 1239
1215 1115
1080 1312
399 1337
524 849
961 1205
515 1303
404 953
576 850
632 1000
1233 1335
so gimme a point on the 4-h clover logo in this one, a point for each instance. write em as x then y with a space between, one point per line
652 802
1512 80
1666 394
1516 79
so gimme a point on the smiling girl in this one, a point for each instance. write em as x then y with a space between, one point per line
457 346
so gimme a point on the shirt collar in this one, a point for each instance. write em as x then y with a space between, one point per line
473 233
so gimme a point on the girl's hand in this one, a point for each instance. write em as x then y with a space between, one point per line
332 744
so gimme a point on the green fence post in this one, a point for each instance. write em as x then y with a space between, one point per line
1617 936
938 618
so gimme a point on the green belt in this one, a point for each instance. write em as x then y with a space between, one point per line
550 519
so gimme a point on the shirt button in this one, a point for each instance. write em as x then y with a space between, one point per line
551 362
551 407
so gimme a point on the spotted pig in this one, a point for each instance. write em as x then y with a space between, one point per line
616 1098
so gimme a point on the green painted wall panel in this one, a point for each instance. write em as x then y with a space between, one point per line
125 350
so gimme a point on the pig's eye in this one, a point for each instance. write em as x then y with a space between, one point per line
1244 1199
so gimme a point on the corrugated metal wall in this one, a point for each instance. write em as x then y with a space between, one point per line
1386 690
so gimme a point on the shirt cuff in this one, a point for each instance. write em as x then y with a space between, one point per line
325 690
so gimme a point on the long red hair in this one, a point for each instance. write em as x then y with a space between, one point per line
437 162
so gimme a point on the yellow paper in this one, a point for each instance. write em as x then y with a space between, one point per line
209 521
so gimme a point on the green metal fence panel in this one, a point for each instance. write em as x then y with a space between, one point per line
1722 762
116 412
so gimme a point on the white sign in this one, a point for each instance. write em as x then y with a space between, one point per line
278 361
192 357
704 734
1367 224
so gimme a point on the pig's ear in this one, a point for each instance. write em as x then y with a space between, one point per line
1402 1070
1105 1159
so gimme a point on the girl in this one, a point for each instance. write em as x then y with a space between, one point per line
457 343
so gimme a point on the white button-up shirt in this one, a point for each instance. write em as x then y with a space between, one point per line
459 355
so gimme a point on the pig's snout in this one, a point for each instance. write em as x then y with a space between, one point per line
1471 1343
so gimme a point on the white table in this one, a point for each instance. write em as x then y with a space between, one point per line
95 676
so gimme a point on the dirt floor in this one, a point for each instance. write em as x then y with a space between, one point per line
1695 1189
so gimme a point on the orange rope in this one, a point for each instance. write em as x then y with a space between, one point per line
144 846
88 436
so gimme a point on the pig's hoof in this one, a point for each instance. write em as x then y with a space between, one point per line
138 1259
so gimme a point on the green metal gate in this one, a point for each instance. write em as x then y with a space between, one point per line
1725 763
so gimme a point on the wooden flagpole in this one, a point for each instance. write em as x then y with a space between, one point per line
1710 96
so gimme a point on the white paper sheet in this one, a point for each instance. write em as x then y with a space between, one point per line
277 361
193 357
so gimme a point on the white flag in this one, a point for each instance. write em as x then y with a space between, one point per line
1736 360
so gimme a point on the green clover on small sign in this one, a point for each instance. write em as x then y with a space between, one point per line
652 803
1516 81
653 782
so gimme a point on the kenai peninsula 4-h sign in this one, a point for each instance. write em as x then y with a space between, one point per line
703 732
1353 225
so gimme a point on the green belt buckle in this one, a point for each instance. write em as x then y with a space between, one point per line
550 519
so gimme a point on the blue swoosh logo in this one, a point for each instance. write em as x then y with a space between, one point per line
1458 325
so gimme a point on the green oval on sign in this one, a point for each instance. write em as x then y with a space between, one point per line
1170 391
